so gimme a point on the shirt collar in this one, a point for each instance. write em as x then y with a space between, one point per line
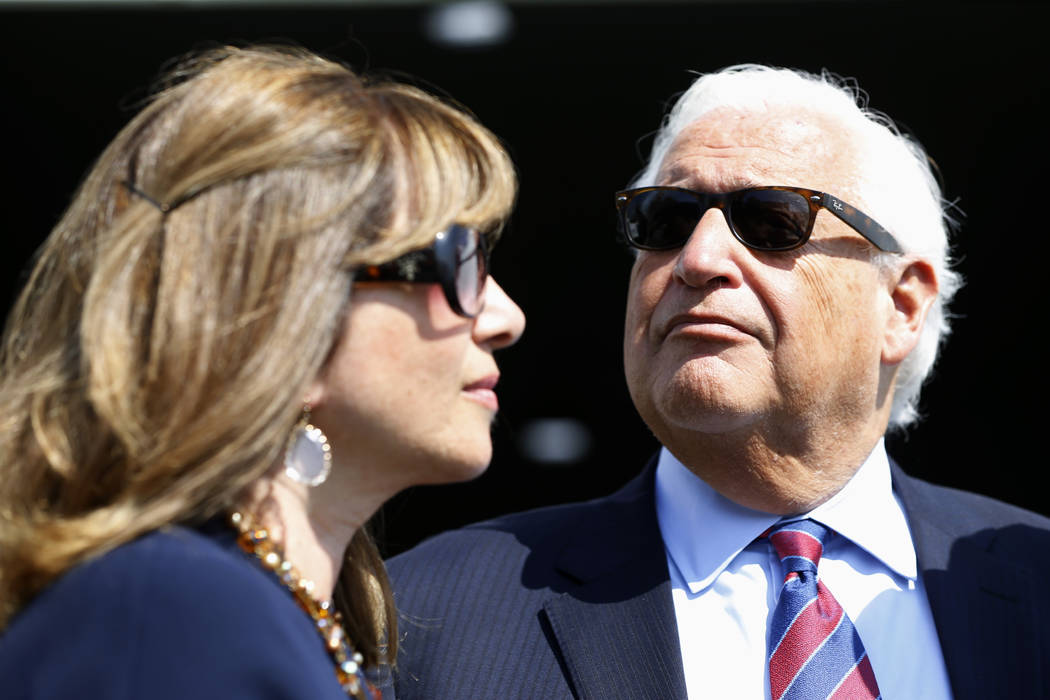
865 511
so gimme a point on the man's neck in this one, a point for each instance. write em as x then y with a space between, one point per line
775 476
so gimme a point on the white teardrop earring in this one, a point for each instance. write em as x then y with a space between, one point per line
308 456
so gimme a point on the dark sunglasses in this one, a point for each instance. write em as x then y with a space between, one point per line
457 259
762 218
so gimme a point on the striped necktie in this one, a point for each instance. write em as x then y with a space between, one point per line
815 651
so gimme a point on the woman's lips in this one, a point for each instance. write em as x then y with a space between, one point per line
483 391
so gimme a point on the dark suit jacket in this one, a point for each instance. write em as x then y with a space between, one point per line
180 615
575 601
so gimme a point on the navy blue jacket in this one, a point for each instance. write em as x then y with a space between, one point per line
575 601
179 614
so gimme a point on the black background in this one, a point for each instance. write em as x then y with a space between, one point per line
572 93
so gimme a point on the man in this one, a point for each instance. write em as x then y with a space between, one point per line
785 305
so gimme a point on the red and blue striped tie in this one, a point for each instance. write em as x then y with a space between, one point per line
815 651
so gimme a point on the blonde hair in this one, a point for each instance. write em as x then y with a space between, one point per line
154 364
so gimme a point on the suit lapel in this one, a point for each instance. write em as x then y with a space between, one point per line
982 605
615 633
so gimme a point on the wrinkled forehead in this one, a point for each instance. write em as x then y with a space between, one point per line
727 149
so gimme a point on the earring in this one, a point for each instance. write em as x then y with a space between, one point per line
308 456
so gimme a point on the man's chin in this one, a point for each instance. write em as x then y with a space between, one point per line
707 402
694 418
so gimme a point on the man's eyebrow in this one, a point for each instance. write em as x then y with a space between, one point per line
727 182
672 174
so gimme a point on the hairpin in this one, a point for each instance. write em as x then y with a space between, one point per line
164 207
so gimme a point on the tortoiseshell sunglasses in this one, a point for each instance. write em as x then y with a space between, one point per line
457 259
762 218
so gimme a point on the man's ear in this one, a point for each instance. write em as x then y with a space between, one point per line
913 289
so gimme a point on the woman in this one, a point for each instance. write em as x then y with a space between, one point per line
266 311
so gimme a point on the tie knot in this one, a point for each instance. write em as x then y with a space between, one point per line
799 544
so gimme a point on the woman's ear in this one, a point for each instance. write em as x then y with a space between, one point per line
316 393
913 289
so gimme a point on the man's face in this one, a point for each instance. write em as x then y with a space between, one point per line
720 338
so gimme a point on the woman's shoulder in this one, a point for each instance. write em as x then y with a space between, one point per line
170 614
201 569
176 575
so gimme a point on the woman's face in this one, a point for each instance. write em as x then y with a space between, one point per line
407 394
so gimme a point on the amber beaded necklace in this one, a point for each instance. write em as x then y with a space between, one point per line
327 621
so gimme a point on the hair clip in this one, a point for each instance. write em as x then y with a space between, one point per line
164 207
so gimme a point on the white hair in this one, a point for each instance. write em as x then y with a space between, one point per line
896 185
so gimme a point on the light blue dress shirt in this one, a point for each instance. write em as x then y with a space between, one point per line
725 584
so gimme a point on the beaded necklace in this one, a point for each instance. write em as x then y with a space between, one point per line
327 621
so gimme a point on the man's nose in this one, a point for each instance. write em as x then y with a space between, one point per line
710 254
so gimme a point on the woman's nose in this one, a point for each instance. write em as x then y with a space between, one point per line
501 321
